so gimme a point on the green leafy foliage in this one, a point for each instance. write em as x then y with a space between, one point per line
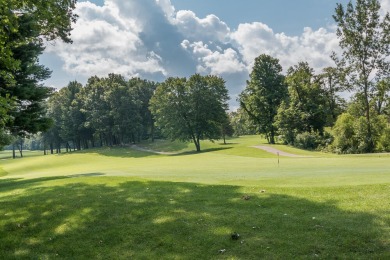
107 111
384 141
24 24
192 109
241 123
263 94
313 140
364 39
351 135
305 110
330 83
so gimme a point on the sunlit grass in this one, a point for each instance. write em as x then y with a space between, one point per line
236 163
120 218
120 203
7 154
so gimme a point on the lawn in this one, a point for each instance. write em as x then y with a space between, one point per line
7 154
121 203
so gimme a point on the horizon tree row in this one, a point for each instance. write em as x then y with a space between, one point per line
106 111
114 111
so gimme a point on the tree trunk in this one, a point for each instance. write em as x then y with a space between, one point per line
21 149
197 143
197 146
13 151
267 137
152 132
370 142
272 136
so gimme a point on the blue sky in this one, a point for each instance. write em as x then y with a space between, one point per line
289 16
156 39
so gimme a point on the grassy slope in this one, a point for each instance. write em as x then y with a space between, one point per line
237 164
185 206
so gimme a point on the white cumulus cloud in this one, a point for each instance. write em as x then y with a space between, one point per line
151 39
314 47
217 62
105 41
210 28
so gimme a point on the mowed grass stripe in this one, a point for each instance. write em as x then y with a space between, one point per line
209 167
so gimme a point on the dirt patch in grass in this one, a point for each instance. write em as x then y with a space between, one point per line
135 147
276 151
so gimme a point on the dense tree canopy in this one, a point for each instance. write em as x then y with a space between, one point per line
364 39
241 123
329 81
305 110
107 111
263 94
192 109
24 24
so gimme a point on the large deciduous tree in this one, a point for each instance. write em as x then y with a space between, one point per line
24 25
365 41
329 81
192 109
306 109
263 94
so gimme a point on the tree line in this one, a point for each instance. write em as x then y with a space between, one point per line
105 112
300 108
114 111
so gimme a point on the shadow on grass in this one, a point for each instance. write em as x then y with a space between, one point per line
20 183
120 151
228 143
165 145
207 150
128 152
118 219
92 174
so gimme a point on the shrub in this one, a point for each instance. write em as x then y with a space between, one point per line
351 134
344 132
313 140
384 141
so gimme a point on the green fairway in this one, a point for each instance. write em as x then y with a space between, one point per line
236 163
123 203
7 154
